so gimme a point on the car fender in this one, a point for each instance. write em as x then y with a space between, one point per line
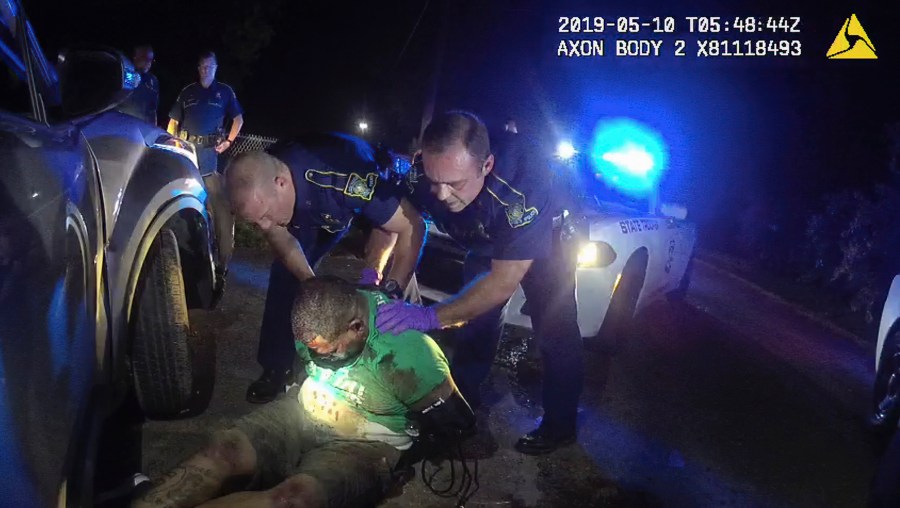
161 187
890 313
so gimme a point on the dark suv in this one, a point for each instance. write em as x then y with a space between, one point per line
105 245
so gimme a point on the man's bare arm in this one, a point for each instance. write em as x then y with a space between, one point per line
484 293
289 252
172 128
408 225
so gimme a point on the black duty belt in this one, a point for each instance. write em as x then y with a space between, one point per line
209 139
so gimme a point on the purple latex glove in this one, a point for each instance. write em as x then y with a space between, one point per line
369 277
397 317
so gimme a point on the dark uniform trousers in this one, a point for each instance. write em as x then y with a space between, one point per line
276 339
549 288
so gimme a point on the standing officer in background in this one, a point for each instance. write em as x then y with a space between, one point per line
501 209
198 116
144 100
303 194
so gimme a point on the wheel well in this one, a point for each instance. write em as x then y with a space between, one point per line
635 270
192 231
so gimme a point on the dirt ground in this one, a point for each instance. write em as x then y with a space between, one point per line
714 403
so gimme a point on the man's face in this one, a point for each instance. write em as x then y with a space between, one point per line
143 59
267 206
345 346
456 176
207 68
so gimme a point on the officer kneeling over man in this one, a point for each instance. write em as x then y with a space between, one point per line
304 193
335 440
500 206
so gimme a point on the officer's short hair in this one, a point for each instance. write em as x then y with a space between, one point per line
207 54
325 306
457 126
248 170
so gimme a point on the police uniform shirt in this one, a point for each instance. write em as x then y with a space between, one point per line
512 216
202 111
144 100
335 178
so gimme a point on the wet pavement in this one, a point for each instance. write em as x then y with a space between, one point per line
729 398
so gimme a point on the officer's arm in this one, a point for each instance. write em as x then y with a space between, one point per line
289 252
485 293
408 225
173 127
236 124
378 249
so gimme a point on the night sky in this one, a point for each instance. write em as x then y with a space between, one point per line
780 129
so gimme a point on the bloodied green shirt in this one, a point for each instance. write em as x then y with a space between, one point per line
369 398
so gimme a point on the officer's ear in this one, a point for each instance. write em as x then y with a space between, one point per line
488 165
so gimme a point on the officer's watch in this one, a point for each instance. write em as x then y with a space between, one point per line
392 288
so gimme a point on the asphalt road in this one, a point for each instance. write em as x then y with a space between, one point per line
729 398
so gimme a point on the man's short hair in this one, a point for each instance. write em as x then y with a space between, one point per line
451 127
142 47
325 306
207 54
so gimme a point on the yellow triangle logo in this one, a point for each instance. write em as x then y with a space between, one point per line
852 43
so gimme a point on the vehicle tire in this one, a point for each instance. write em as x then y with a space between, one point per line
681 291
618 323
172 365
886 392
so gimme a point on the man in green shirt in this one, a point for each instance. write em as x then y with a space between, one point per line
336 439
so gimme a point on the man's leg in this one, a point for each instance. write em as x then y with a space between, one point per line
476 342
550 290
201 477
298 491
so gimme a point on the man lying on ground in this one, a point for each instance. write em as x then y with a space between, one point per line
335 440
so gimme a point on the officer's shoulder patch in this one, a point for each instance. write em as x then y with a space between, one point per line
361 187
518 213
353 184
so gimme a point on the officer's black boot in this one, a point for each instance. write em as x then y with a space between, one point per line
268 386
544 440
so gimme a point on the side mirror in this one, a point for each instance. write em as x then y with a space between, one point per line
94 80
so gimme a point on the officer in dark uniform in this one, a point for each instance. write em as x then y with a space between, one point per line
198 116
501 209
304 194
200 112
144 100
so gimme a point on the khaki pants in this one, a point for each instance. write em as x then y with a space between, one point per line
222 218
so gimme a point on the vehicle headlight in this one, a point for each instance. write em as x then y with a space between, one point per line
595 255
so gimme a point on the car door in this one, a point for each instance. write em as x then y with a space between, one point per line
48 276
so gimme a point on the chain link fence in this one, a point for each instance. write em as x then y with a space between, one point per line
245 143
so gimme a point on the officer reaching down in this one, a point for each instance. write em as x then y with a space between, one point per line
303 194
337 439
499 207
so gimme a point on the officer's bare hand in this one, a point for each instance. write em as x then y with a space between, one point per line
224 145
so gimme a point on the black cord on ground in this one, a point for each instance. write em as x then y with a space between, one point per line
468 482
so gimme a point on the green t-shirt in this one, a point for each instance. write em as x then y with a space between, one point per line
369 398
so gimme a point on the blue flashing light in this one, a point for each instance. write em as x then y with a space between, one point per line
628 155
565 150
